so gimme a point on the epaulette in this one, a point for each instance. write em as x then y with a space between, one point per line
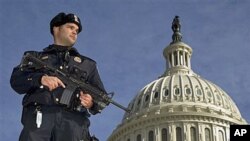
87 58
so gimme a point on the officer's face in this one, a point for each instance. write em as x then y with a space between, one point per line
66 34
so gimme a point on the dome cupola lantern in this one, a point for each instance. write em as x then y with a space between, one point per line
177 54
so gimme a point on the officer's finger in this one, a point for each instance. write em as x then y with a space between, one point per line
52 86
85 96
87 103
60 83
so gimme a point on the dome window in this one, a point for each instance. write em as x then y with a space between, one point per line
198 91
175 58
139 102
188 90
178 134
186 60
166 92
146 98
156 95
221 136
138 138
151 136
164 134
207 135
193 133
177 91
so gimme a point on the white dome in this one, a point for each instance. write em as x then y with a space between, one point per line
195 106
182 95
180 105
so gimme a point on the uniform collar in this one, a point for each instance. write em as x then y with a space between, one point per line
59 48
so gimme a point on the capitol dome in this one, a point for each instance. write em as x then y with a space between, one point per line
180 105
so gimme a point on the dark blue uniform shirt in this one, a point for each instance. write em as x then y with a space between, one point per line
28 81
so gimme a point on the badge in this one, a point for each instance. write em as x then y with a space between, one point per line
45 57
76 19
78 59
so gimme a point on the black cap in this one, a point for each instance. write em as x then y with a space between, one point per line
62 18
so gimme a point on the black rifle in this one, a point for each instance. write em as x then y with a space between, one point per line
72 84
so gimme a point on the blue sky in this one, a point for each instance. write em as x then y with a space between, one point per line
127 38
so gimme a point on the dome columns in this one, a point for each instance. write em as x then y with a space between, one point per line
178 56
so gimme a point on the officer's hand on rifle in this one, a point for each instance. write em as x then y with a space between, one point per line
51 82
86 100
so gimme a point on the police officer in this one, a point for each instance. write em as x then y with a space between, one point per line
43 117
